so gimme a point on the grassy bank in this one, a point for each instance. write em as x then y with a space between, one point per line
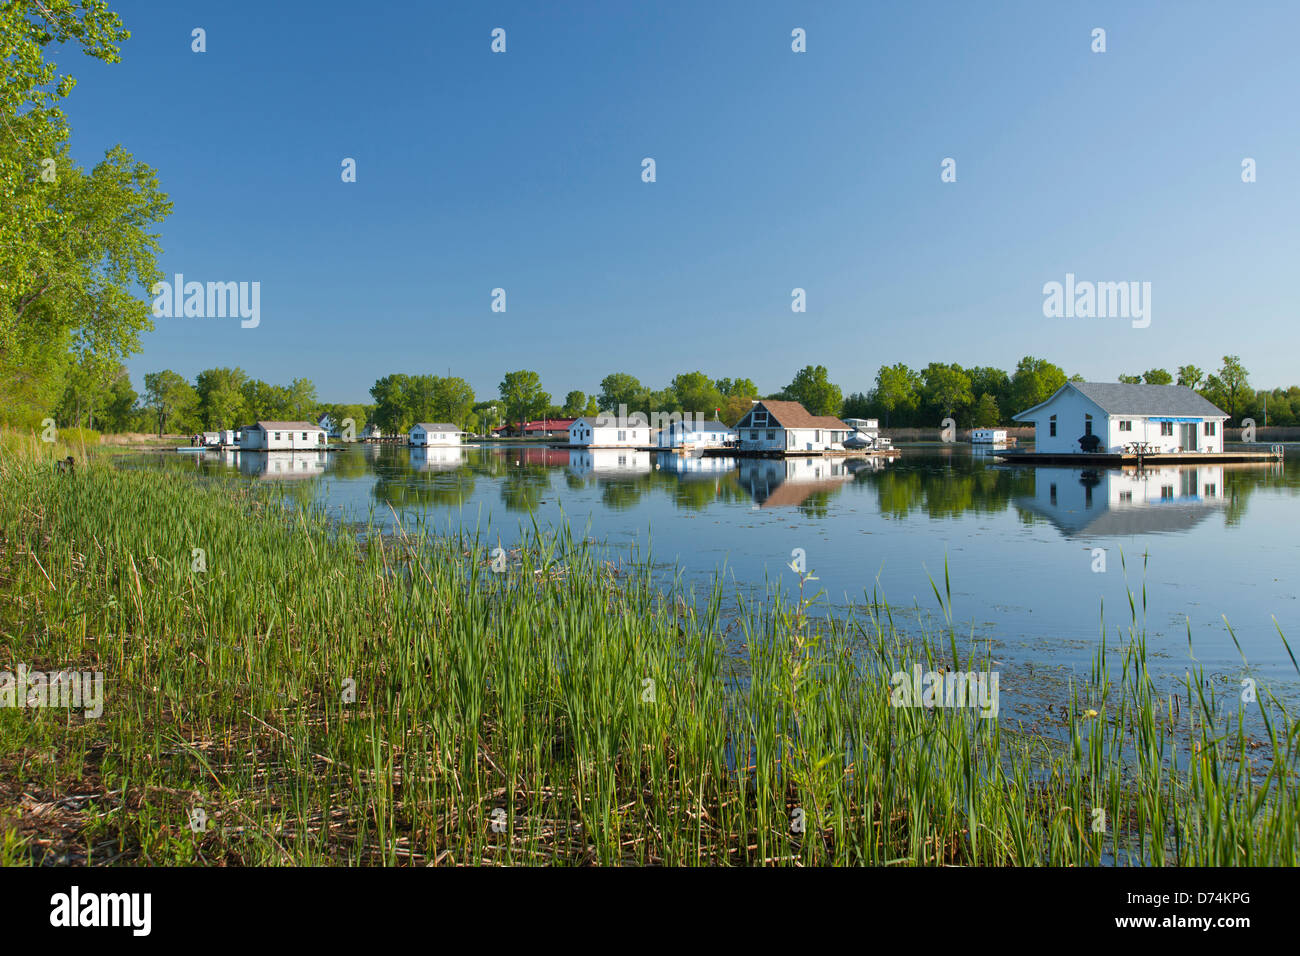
326 697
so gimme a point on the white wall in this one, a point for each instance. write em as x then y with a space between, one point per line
791 439
630 435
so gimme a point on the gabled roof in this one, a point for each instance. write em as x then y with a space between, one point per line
794 415
436 426
1118 398
287 426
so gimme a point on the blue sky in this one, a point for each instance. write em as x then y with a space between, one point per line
775 170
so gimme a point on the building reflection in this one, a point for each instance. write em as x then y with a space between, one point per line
1103 502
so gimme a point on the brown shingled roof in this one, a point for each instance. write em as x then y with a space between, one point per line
794 415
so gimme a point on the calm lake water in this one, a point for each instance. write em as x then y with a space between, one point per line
1020 542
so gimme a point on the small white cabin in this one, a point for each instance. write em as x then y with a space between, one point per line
281 436
692 432
607 431
423 434
789 427
1171 419
988 436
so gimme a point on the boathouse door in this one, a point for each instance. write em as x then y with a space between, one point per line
1188 430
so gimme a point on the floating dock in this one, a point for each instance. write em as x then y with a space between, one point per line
795 453
1117 459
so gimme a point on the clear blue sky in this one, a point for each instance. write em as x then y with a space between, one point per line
818 170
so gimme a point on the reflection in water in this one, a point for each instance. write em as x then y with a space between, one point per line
276 465
935 483
1101 502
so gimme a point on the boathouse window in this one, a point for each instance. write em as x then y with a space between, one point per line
771 434
1210 428
277 436
1126 497
1051 426
622 436
760 418
1087 424
304 436
817 435
1125 425
1166 428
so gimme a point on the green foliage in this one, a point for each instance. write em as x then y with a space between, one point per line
812 387
522 396
75 246
172 399
620 388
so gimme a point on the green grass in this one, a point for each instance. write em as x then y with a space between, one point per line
505 718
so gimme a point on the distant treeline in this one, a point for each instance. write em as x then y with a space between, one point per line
102 398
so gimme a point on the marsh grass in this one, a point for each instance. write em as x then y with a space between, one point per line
565 711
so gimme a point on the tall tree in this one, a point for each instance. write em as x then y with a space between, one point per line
221 397
75 246
1157 376
575 404
1190 375
1034 381
1229 388
522 395
171 398
897 392
696 392
620 388
813 389
947 389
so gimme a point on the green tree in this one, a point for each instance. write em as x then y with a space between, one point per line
75 247
392 395
303 399
522 395
947 389
696 392
1157 376
812 388
1035 380
575 404
1130 379
1190 375
453 400
1229 388
620 388
986 412
172 399
221 397
897 393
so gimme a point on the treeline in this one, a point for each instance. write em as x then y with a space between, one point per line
100 396
983 396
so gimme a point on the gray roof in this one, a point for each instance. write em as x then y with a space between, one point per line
1118 398
712 426
436 426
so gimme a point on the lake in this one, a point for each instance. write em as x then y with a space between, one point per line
1033 554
